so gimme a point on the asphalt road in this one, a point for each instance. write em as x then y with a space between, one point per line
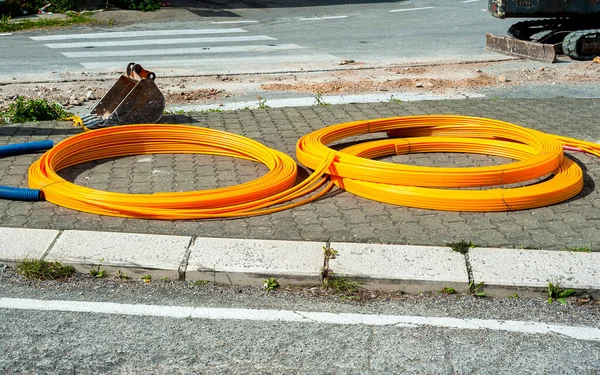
159 341
480 336
274 39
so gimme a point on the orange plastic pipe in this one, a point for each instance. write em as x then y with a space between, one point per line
260 196
538 155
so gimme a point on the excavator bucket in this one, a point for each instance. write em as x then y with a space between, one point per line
133 99
522 48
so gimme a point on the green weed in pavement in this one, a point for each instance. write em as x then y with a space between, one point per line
462 246
555 292
270 284
43 270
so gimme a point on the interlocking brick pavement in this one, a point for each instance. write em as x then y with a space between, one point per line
340 216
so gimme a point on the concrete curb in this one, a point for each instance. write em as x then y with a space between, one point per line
411 269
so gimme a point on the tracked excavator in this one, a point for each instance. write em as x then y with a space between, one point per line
564 27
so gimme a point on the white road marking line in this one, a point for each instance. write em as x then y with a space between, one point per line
5 34
322 18
575 332
409 9
136 34
151 42
230 22
183 51
238 61
470 1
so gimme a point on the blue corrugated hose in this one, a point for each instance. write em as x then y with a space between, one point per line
23 194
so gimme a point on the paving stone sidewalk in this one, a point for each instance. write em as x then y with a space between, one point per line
340 216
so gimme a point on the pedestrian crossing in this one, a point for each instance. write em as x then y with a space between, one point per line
210 50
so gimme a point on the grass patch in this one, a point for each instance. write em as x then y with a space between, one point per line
201 282
340 284
27 24
583 249
22 110
42 270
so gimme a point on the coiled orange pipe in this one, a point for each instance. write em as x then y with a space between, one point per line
260 196
538 154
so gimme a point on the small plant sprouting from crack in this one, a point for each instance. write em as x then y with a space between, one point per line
448 290
555 292
476 290
337 283
146 278
394 100
270 284
262 103
122 276
461 246
329 254
97 272
319 100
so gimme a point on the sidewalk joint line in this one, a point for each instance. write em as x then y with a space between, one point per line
183 265
469 269
51 246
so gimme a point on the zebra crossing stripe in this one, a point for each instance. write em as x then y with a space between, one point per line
183 51
150 42
136 34
322 18
410 9
229 22
236 61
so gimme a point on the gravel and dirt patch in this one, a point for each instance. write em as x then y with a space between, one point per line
84 91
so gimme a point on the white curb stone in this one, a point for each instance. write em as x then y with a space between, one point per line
17 244
411 269
157 255
240 261
508 268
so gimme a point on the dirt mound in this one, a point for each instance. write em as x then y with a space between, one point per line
193 95
367 85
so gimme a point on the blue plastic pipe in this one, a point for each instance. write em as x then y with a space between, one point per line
23 194
20 194
25 148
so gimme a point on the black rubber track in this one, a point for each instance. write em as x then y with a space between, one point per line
572 46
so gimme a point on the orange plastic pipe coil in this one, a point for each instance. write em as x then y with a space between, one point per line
263 195
537 155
